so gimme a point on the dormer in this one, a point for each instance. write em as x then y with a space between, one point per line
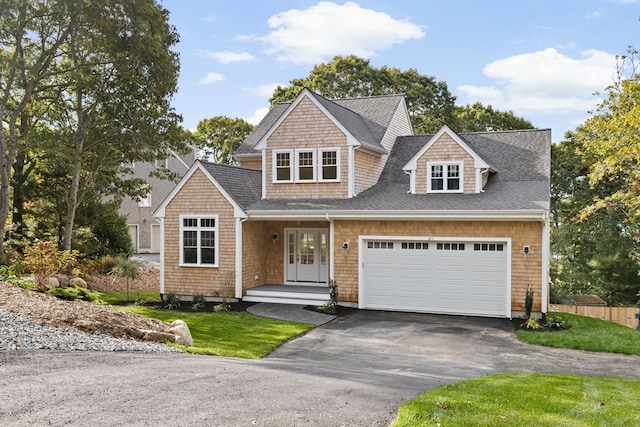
447 164
320 148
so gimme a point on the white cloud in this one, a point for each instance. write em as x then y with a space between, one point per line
265 90
258 115
226 57
211 78
545 81
327 29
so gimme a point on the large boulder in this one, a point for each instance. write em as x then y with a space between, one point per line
182 332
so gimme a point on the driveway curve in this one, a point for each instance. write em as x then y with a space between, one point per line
354 371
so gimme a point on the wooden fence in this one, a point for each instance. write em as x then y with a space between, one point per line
622 315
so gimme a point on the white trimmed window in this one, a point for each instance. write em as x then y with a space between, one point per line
145 202
282 166
444 177
305 165
329 168
199 240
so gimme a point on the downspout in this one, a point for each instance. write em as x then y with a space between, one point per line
351 172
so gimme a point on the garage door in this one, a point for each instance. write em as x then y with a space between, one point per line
450 277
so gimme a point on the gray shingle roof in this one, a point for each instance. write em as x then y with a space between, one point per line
367 119
243 185
522 183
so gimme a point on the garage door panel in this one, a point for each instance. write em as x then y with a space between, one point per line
461 281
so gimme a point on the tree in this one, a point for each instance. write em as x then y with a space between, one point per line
105 71
478 118
220 136
429 102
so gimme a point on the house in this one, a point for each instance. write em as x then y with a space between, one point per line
343 191
143 228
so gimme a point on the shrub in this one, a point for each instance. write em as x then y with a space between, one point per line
25 282
199 303
43 259
556 322
528 302
73 293
219 308
330 306
173 301
531 324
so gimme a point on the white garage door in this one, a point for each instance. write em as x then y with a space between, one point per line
449 277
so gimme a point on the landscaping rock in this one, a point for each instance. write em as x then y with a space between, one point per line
180 328
79 282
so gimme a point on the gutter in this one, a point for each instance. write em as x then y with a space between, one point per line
397 215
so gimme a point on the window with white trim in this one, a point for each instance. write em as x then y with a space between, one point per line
199 240
329 168
145 202
305 165
444 177
282 166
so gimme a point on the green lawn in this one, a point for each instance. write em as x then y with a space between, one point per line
527 400
120 298
587 333
232 334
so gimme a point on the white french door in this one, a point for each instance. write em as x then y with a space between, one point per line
306 255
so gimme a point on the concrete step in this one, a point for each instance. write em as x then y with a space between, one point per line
288 294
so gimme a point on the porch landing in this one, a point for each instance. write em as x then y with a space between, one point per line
288 294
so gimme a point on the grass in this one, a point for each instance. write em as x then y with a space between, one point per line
587 333
231 334
120 298
526 399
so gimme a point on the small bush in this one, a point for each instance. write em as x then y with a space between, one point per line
173 301
15 269
222 307
73 293
199 303
43 259
528 302
25 282
556 322
531 324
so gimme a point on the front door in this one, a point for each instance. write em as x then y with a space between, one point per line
306 255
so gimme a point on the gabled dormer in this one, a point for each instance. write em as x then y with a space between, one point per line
320 148
447 164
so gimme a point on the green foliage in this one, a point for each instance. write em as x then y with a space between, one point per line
587 333
330 306
478 118
528 302
15 269
222 307
108 233
532 324
72 293
231 334
173 301
220 136
556 322
523 399
199 302
25 282
127 269
43 259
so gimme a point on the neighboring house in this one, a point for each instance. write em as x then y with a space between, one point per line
341 190
144 229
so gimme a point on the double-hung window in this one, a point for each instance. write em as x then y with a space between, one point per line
282 166
199 240
444 177
306 165
329 168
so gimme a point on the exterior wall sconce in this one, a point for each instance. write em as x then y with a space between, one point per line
345 246
526 250
275 236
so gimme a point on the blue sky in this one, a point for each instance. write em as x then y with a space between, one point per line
542 59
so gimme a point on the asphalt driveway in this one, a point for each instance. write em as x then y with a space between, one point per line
354 371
